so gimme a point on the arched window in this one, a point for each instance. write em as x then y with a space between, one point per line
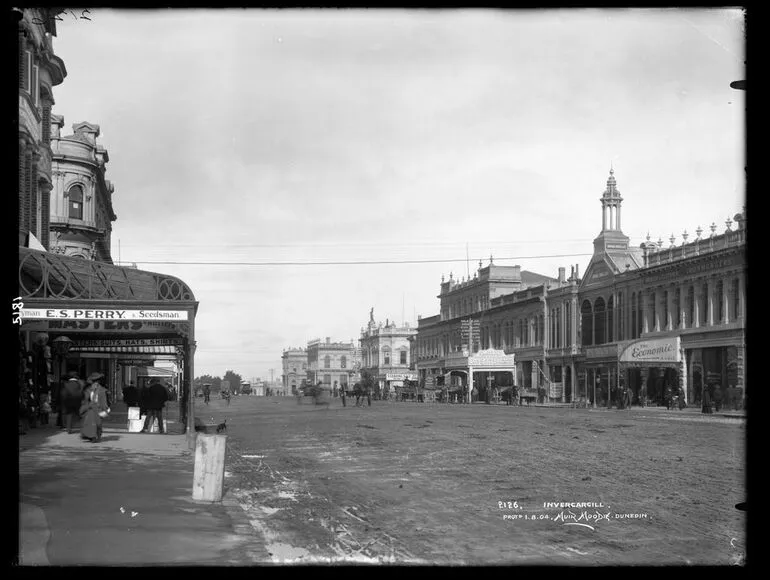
587 322
610 319
386 352
677 308
402 356
600 319
76 202
568 325
343 362
664 321
654 311
633 315
690 305
736 300
327 362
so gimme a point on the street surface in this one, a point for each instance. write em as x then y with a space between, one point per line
468 484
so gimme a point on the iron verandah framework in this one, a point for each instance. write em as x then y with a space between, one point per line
53 281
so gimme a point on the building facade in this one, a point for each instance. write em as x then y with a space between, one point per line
647 318
331 363
39 71
386 353
81 199
294 364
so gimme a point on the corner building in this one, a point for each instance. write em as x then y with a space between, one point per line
647 317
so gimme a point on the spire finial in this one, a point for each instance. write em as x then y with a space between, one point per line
491 261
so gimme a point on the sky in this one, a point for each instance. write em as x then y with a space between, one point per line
262 155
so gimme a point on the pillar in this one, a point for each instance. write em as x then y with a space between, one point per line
696 307
563 381
645 311
470 382
573 382
725 301
682 322
710 302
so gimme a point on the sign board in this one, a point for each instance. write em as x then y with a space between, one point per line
656 350
555 390
120 342
113 326
135 362
491 358
400 377
100 314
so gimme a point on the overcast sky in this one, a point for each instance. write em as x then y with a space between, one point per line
382 135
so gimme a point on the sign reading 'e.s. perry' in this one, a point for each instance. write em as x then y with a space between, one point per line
654 350
100 314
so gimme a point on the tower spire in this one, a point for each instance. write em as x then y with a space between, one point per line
611 201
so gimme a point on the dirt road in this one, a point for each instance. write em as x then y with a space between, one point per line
481 484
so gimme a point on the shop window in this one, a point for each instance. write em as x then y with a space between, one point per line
76 202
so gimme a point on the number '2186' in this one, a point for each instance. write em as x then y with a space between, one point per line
17 305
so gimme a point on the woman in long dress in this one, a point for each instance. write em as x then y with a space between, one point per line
94 408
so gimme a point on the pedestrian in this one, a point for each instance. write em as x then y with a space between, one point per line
717 398
130 395
94 408
643 395
706 407
669 395
23 412
369 397
70 400
45 409
627 398
474 395
206 393
155 400
680 398
342 395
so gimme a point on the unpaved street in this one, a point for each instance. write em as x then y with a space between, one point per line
468 484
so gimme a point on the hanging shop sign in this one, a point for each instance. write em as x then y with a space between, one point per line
555 390
657 350
100 314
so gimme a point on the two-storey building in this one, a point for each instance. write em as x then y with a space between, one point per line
386 353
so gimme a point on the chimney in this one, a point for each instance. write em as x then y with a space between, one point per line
328 340
577 270
561 275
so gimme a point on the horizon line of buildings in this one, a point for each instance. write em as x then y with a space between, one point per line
648 318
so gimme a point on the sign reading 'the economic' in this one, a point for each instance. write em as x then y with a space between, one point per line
100 314
652 351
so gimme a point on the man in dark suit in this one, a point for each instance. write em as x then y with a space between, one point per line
155 399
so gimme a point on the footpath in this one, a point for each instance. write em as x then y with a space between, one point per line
125 501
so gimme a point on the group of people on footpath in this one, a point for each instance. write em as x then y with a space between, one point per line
150 400
78 400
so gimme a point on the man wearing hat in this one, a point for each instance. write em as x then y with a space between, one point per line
155 400
70 399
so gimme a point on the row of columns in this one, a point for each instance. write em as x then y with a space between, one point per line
708 299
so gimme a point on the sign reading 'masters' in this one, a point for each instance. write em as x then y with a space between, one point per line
652 351
100 314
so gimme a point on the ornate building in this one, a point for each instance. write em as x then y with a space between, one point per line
386 353
39 71
648 318
81 200
332 363
294 363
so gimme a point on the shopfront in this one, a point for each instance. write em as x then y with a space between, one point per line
85 316
653 367
485 370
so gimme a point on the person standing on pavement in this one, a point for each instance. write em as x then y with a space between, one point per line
706 398
70 400
343 394
94 408
717 398
130 395
155 400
